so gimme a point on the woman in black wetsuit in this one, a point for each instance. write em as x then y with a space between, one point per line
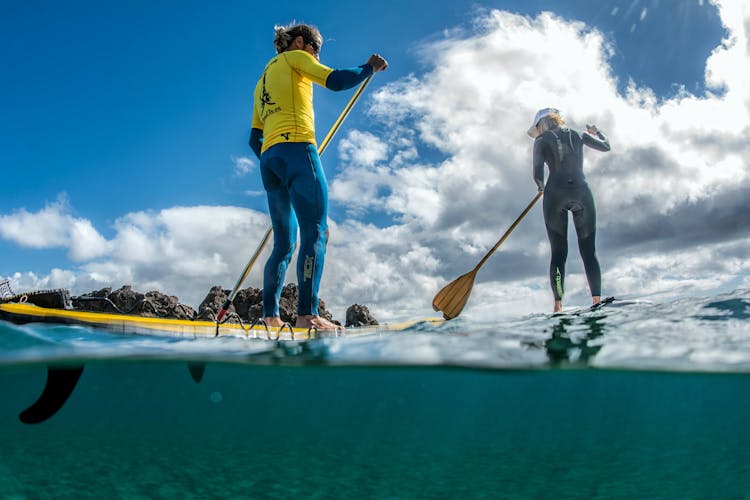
566 190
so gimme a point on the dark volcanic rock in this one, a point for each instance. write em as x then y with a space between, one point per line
211 305
164 305
128 301
288 304
357 315
248 304
58 298
93 301
246 307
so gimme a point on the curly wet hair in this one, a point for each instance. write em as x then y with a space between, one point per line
285 35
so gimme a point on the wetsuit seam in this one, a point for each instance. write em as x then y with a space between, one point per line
317 239
293 98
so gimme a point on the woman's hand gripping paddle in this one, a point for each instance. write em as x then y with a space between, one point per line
452 298
321 148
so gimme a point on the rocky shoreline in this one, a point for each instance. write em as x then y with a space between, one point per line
247 306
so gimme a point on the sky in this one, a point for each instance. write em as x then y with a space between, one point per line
124 156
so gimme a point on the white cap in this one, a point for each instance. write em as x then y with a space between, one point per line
533 133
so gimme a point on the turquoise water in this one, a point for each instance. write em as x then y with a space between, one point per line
623 402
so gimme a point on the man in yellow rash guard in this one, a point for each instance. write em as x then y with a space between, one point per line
283 138
287 115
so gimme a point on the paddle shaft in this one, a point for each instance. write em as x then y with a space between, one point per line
337 124
510 230
323 145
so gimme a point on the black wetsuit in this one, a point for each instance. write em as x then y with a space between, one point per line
566 190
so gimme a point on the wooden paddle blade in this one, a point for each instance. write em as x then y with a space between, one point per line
452 298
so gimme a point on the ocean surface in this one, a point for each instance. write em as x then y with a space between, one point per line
638 399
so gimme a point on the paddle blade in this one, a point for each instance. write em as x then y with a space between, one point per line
452 298
60 384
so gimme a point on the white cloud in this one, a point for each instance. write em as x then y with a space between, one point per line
673 178
57 278
85 242
362 148
186 250
46 228
181 250
243 165
54 227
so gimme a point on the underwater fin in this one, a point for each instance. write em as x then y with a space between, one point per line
60 384
196 371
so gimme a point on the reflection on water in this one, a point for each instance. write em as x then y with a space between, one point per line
728 309
706 334
571 340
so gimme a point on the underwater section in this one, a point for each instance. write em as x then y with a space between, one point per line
146 429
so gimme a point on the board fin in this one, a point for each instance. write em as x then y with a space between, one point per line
60 384
196 370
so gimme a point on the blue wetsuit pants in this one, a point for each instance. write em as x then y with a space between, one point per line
557 203
297 194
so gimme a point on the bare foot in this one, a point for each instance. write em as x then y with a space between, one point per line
558 306
273 321
321 324
596 299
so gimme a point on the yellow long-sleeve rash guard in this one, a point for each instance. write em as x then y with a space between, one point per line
283 98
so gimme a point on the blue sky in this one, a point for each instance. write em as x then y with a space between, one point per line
123 144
